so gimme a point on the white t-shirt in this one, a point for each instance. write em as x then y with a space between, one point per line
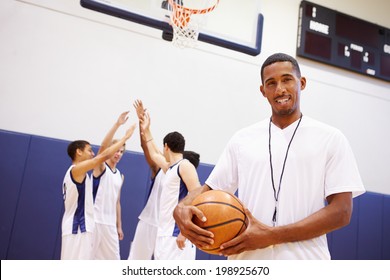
320 162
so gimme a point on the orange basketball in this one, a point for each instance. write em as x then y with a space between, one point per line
225 215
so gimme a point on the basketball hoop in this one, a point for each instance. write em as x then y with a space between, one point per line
185 28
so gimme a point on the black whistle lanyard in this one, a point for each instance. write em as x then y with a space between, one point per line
276 193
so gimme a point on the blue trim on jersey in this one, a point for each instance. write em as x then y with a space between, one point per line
170 167
183 191
151 186
96 184
116 169
79 215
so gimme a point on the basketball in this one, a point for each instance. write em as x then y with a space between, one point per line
225 215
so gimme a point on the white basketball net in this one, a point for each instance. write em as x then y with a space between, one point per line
186 23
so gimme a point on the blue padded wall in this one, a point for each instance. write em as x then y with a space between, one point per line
38 216
370 227
343 242
14 149
31 206
386 229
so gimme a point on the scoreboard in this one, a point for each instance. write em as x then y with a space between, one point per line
337 39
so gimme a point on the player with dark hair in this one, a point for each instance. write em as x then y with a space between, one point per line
180 177
78 222
193 157
143 244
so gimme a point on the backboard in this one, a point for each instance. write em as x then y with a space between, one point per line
235 25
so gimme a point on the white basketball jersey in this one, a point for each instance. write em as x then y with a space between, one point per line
106 191
150 212
78 215
173 190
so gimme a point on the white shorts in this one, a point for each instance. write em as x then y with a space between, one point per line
77 246
144 242
106 243
167 249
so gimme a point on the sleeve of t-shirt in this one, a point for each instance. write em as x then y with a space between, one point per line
342 174
224 176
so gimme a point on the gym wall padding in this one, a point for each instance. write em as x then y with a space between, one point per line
14 149
386 228
343 244
370 228
31 173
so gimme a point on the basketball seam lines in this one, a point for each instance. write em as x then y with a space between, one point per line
243 224
225 223
224 203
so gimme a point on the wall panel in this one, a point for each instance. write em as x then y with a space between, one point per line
40 206
14 149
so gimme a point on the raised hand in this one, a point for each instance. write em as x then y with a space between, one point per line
139 108
123 118
145 122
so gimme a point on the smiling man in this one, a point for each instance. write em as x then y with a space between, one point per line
295 175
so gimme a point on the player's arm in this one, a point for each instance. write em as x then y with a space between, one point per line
140 110
258 235
80 169
154 152
156 156
189 175
123 117
108 139
335 215
183 215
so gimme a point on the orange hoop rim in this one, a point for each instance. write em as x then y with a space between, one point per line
192 11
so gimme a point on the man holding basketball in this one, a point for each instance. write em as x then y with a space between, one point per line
295 175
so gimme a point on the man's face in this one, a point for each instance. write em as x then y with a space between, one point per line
282 88
118 155
87 153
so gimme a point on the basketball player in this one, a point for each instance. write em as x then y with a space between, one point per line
78 220
180 177
107 185
285 169
144 241
143 245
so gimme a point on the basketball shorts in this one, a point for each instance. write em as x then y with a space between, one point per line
166 249
77 246
144 242
106 242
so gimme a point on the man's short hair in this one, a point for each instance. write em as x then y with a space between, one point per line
280 57
73 146
175 142
193 157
